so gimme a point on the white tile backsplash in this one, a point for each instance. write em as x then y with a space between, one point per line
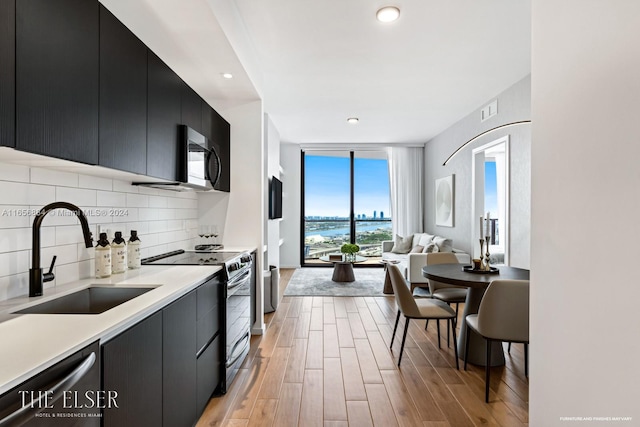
137 201
14 216
124 187
18 193
109 198
51 177
18 173
95 182
14 263
165 220
77 196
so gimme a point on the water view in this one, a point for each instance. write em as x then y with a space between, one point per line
330 196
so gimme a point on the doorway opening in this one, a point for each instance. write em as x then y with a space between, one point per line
490 196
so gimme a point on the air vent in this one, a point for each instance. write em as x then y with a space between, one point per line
489 111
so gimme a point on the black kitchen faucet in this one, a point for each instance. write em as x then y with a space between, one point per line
36 277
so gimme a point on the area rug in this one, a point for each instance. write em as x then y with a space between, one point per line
317 282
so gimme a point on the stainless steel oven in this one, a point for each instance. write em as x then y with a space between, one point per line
238 321
238 271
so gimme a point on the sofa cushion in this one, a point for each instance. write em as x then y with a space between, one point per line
416 249
402 245
443 244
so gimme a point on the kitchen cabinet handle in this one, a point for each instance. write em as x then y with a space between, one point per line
24 414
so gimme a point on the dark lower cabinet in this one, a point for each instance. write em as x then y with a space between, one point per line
163 118
56 78
166 367
209 373
7 72
123 97
82 400
179 362
210 339
132 367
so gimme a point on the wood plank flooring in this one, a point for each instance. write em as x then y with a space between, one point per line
325 361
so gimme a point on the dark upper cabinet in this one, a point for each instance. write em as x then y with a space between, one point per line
132 366
57 78
191 108
179 362
163 118
221 139
123 97
7 72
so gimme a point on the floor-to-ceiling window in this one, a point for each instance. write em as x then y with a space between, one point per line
345 200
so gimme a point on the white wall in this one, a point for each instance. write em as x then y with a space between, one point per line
514 104
165 221
585 212
291 191
243 208
272 142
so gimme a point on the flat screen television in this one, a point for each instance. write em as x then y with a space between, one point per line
275 198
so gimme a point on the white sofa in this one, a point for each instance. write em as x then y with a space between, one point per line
411 263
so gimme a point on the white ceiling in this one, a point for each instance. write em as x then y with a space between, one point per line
316 63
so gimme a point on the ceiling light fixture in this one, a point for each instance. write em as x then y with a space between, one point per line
388 14
521 122
227 75
353 120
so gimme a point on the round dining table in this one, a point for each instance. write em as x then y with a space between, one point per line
477 283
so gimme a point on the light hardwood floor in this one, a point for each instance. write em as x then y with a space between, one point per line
325 361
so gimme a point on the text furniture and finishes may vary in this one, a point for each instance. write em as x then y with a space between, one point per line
342 269
477 284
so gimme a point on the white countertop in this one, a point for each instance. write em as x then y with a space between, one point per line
30 343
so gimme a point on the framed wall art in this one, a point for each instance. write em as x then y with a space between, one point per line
444 201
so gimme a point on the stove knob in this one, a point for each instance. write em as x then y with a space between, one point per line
234 266
246 259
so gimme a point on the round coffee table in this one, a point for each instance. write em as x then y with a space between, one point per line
343 270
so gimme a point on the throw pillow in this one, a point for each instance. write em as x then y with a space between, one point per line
425 239
416 249
443 244
416 239
402 245
430 248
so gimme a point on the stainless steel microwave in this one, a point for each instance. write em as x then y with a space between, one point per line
202 161
200 165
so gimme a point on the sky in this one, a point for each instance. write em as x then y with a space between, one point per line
490 189
327 186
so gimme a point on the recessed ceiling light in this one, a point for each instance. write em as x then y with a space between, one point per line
227 75
353 120
388 14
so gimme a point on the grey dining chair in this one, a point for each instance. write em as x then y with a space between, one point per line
417 309
451 294
503 316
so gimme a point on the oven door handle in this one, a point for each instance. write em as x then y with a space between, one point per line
235 283
233 358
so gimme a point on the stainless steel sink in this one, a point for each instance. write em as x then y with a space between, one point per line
92 300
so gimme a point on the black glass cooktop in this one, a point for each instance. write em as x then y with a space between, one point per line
190 258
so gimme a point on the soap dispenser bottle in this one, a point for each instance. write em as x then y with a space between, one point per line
118 254
103 257
134 250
